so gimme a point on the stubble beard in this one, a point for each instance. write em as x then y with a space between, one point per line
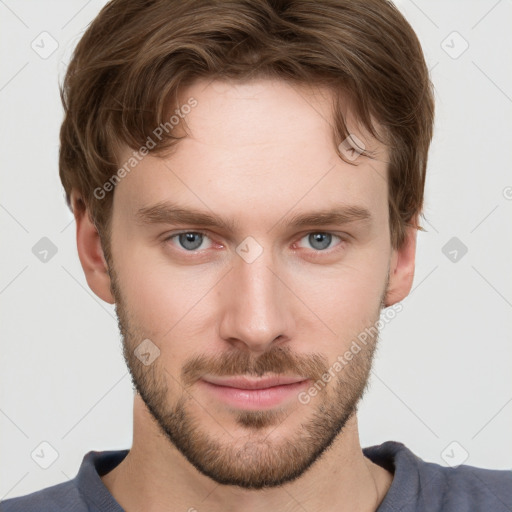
267 455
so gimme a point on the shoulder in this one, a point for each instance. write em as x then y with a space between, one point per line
84 493
470 488
61 497
420 485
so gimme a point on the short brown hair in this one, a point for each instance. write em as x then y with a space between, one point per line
137 55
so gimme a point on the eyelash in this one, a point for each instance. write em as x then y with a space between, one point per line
342 241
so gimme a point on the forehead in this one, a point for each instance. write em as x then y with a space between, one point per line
254 144
264 111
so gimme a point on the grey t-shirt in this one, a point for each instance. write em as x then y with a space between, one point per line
417 486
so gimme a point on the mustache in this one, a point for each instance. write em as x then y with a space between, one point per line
280 360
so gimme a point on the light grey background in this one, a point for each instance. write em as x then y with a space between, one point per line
442 372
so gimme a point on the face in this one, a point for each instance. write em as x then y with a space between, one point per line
231 319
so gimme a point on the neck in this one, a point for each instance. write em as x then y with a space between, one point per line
155 477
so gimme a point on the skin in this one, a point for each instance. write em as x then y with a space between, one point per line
256 153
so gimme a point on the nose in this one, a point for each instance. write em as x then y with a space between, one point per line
257 307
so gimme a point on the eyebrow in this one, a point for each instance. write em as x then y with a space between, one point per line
170 213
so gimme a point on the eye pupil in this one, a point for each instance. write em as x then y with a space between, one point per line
320 241
190 241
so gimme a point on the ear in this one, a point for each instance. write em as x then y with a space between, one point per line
401 270
90 251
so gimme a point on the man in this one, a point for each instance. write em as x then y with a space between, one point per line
247 180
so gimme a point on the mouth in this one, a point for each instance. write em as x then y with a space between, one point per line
253 393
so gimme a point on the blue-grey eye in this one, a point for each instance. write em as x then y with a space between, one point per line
320 241
190 241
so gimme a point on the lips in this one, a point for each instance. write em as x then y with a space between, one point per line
253 383
251 393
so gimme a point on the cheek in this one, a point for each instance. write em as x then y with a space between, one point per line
164 300
346 298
